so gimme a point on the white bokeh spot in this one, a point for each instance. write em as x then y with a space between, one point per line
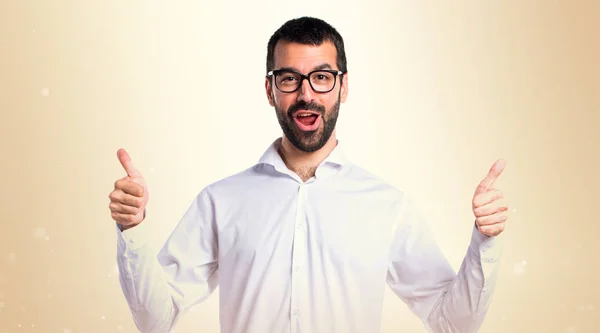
45 92
519 268
114 271
39 233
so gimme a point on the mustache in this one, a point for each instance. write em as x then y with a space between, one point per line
302 105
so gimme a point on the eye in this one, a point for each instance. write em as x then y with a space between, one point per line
287 78
322 77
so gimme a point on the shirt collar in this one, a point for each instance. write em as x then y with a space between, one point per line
335 161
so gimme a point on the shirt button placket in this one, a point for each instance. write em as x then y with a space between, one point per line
298 258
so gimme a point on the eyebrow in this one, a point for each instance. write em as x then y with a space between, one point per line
316 68
322 66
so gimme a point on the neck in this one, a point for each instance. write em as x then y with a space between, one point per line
304 164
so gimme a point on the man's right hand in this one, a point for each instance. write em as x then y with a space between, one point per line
129 198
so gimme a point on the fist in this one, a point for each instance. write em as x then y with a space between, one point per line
129 198
489 206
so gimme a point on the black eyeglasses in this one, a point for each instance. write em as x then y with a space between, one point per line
288 81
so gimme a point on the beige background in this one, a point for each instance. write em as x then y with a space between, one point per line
438 92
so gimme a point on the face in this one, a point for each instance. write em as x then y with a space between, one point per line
306 132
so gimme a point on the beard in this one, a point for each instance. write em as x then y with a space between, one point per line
313 140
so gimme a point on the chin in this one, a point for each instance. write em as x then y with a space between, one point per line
309 145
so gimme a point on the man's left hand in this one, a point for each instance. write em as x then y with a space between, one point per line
489 206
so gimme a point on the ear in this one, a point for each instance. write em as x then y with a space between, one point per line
269 91
344 88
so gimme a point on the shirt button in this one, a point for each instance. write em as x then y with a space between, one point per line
297 269
296 312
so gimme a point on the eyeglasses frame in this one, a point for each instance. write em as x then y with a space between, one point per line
335 72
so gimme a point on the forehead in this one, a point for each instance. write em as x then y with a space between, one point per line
304 57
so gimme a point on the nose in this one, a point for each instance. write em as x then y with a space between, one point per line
306 93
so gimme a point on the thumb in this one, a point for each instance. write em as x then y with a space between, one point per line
125 160
492 176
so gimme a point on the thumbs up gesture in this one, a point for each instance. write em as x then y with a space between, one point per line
129 198
489 206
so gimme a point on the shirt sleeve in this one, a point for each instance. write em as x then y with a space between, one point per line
421 276
158 288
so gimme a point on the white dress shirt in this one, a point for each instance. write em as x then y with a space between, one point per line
304 257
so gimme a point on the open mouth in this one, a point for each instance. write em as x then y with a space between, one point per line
307 121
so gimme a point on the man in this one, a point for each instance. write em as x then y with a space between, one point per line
304 241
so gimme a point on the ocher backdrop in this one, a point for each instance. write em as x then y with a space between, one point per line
438 91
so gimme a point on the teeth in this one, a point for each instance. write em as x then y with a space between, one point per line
304 114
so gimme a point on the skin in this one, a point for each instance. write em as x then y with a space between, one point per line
489 205
306 58
130 195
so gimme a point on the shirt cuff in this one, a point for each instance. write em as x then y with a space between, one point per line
491 246
132 238
489 251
